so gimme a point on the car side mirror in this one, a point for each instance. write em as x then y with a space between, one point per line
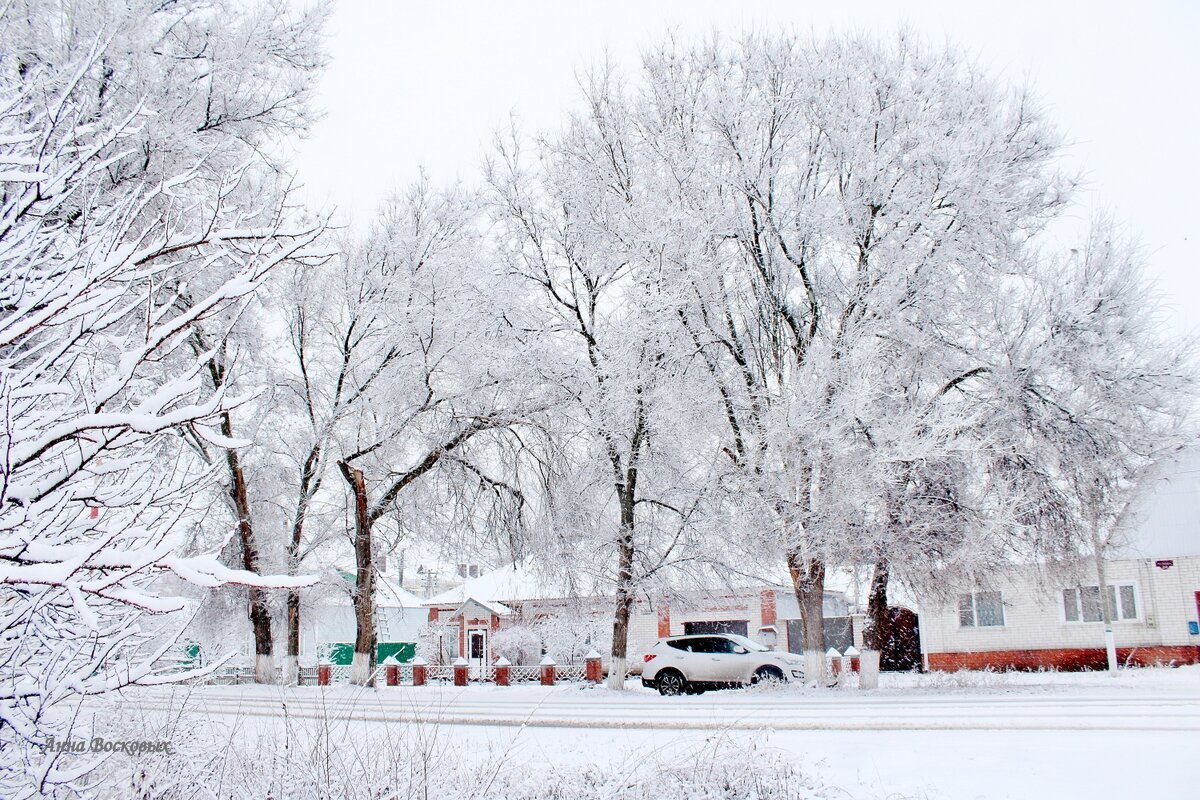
741 651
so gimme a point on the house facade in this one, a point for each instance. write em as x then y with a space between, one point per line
1020 620
470 619
1026 618
328 627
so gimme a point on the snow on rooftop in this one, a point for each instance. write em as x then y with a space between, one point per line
391 594
512 583
492 607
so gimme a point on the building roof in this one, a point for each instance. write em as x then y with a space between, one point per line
517 583
492 607
388 593
512 583
391 594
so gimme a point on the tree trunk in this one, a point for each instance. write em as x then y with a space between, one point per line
808 580
259 613
879 619
257 609
362 667
291 662
620 642
1110 642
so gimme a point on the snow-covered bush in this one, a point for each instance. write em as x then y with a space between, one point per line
571 633
519 643
330 756
566 635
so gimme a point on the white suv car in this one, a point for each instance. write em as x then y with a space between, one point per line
681 664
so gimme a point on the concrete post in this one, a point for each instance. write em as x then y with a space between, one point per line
548 671
503 675
868 678
420 675
593 671
460 671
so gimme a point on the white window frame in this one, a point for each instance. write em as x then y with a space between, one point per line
1116 587
975 610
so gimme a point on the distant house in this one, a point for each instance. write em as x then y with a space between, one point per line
329 628
470 617
1025 619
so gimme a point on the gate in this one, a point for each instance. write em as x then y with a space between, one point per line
838 634
902 653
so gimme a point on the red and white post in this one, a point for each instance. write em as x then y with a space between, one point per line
460 671
503 671
852 655
391 671
835 662
593 670
548 671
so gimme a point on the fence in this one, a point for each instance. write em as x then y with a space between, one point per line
434 673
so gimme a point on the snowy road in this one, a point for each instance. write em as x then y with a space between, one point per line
1008 737
783 710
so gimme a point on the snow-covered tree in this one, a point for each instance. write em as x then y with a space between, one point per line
408 364
861 197
117 246
102 284
340 349
1098 396
587 224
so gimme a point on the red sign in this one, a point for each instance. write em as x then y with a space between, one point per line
1165 563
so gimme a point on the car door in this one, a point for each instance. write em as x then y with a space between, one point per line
728 665
677 654
700 658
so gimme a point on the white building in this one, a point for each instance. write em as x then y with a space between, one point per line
472 614
1027 619
328 629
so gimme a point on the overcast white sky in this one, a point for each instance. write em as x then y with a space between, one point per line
426 84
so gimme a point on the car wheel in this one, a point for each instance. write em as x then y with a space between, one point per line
767 676
671 683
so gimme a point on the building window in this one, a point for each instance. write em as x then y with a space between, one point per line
739 626
1082 603
980 610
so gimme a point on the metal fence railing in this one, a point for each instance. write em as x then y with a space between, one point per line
434 673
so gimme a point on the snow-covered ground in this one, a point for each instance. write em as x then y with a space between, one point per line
964 735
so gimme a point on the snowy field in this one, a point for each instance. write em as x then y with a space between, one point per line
963 735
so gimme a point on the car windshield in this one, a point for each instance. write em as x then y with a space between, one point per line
753 647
